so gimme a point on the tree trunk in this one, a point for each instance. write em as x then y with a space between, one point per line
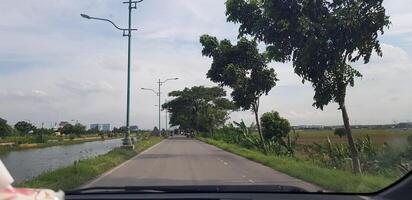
353 151
256 111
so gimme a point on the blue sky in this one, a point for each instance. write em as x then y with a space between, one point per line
56 66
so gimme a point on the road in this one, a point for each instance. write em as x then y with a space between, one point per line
181 161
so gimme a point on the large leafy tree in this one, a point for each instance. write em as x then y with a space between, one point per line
5 129
320 37
24 127
242 68
199 108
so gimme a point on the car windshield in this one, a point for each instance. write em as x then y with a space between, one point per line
206 95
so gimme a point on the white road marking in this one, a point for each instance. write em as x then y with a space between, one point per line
250 180
118 166
243 176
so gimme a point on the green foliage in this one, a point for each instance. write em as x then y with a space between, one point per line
340 132
5 129
329 179
242 68
380 159
155 131
71 137
320 38
199 108
274 126
69 129
276 131
24 127
42 138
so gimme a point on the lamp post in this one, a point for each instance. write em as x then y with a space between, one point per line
166 127
126 32
160 83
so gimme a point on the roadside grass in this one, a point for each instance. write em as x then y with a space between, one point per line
81 172
328 179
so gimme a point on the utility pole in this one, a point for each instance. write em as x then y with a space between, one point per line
166 125
160 83
126 32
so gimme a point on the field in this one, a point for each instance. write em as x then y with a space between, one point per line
378 136
383 154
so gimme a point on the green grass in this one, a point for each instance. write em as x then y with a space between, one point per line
328 179
79 173
378 136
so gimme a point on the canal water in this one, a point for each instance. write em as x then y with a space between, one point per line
32 162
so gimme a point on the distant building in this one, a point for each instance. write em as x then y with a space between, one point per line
134 128
100 127
94 126
105 127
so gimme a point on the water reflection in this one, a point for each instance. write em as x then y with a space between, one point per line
29 163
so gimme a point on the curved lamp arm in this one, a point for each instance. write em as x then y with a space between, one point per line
150 90
107 20
169 79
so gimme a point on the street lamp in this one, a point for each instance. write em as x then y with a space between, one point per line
126 32
166 125
160 83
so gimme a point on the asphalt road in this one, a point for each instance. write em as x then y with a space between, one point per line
181 161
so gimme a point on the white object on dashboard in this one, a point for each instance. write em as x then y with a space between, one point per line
5 178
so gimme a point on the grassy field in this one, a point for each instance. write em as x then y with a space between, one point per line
379 136
79 173
328 179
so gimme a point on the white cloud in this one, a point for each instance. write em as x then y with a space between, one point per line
85 88
55 65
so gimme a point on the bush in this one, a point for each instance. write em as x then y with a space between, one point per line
41 138
274 126
71 136
340 132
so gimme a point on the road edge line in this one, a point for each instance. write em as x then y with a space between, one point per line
118 166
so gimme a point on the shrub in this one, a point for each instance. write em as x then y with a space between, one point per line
340 132
41 138
71 136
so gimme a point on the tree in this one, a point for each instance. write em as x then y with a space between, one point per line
340 132
155 131
69 129
275 128
66 129
5 129
79 129
63 123
320 38
199 108
242 68
24 127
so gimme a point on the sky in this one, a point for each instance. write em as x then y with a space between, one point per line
56 66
